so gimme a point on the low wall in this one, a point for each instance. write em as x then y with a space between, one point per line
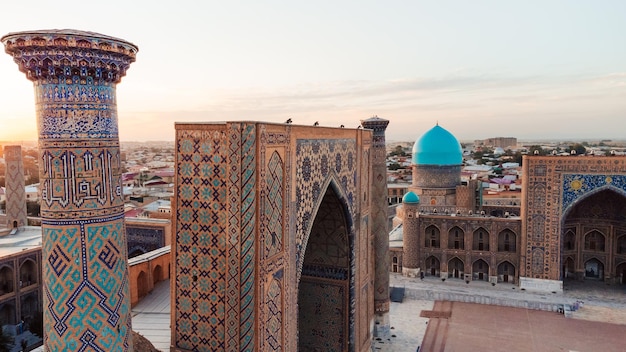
147 270
430 295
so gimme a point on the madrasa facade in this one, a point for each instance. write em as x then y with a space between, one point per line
570 224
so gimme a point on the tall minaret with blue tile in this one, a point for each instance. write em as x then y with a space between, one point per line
85 272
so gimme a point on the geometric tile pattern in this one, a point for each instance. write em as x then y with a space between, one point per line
14 184
320 162
199 303
274 326
271 266
84 251
240 309
575 186
273 212
215 237
554 185
241 199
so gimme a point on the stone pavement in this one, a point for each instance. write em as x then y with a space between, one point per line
151 316
407 327
477 327
592 293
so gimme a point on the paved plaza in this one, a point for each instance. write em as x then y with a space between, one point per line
600 325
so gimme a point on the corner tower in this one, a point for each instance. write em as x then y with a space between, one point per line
85 272
15 191
380 226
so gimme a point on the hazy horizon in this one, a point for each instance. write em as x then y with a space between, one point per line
533 70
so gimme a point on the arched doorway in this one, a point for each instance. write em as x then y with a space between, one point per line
28 273
6 280
594 269
506 272
142 285
507 241
569 269
481 240
621 273
432 266
456 238
432 237
324 295
456 268
7 314
480 270
590 242
157 274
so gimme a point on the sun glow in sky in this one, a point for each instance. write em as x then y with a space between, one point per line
525 69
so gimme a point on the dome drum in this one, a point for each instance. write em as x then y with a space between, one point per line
433 176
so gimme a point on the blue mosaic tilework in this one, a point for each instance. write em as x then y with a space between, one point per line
274 325
318 162
271 284
201 242
144 239
75 110
86 292
240 309
87 285
576 186
215 238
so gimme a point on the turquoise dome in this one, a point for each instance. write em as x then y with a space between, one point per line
437 147
410 197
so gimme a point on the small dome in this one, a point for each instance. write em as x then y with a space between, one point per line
437 147
410 197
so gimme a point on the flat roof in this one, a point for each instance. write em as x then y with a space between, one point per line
26 237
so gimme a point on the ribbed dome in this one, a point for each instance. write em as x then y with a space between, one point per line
437 147
410 197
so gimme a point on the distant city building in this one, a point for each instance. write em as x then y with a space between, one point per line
567 224
497 142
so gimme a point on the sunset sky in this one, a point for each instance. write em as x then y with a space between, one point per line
526 69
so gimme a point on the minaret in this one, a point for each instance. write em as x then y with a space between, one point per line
410 235
14 184
86 295
380 227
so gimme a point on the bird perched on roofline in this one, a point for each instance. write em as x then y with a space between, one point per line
316 123
288 120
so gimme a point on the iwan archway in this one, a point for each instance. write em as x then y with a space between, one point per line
573 220
324 294
592 229
273 238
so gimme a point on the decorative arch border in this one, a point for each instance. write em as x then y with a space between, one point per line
332 182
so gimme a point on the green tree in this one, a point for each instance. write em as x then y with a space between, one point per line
579 148
398 150
536 148
394 166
